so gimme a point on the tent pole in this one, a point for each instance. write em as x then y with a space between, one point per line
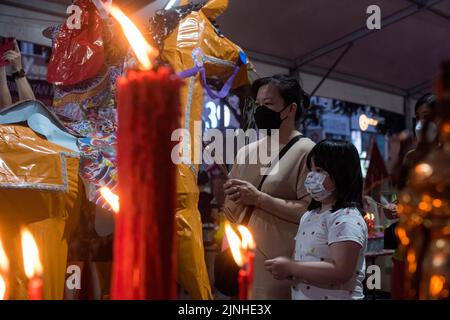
332 68
433 10
408 112
266 58
417 89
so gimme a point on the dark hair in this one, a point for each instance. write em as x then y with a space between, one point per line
340 160
290 91
428 99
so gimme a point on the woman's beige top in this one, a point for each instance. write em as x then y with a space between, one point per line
274 232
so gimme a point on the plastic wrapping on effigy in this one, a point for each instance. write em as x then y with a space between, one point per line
36 165
78 51
39 188
196 30
88 108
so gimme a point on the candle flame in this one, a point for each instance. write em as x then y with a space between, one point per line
4 262
247 239
235 244
4 267
401 234
2 288
143 50
31 261
369 216
111 198
436 285
424 170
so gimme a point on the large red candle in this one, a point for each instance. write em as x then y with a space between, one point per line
144 245
148 103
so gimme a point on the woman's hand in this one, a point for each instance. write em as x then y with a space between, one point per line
242 192
14 57
280 268
23 86
5 96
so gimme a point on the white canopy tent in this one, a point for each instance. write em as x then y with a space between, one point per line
387 68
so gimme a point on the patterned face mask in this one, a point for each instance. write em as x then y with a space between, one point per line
314 185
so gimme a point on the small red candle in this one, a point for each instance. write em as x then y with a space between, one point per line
148 102
244 256
250 267
35 286
247 247
32 265
243 284
370 221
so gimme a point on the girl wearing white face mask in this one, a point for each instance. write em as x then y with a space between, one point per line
329 260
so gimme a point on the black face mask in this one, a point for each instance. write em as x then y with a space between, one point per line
268 119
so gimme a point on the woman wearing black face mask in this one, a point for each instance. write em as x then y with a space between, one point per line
275 112
282 199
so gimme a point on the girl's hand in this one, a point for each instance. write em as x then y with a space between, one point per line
280 268
390 211
242 192
14 57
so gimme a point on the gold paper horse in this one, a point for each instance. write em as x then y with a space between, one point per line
196 41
